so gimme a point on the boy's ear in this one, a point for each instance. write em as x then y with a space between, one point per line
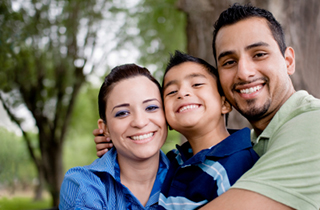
225 106
103 126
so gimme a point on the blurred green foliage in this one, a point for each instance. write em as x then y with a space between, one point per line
16 167
21 203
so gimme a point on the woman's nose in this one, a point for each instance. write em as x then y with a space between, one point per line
140 120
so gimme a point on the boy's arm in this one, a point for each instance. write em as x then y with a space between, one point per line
240 199
103 143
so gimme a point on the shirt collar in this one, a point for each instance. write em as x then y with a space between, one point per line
237 141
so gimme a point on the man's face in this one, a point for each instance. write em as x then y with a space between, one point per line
254 74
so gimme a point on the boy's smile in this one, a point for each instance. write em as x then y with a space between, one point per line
191 99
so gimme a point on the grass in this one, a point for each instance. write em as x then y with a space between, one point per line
23 203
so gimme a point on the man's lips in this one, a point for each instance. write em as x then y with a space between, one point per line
185 108
250 90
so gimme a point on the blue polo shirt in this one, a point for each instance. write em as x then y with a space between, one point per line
192 181
98 186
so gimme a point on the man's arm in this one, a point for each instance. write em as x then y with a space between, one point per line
239 199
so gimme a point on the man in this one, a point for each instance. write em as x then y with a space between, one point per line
254 68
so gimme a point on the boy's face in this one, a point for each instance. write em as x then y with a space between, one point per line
191 99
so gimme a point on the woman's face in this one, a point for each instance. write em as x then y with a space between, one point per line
135 118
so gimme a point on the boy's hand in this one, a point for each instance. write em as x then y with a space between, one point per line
103 143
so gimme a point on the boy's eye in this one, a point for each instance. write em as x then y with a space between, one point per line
197 84
172 92
122 114
152 108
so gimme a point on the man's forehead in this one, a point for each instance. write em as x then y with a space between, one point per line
245 32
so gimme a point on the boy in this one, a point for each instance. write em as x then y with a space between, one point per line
212 159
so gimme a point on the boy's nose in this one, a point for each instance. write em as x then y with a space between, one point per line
183 95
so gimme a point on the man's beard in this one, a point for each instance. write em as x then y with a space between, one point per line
254 113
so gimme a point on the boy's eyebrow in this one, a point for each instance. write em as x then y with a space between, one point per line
192 75
257 44
127 105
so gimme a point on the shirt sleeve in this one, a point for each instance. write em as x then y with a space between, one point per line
289 171
81 189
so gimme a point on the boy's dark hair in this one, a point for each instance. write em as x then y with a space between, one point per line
179 58
116 75
238 12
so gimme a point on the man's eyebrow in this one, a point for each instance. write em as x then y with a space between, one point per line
257 44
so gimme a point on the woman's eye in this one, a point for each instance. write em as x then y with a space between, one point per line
152 108
121 114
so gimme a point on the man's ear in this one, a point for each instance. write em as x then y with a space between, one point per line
225 106
103 126
290 60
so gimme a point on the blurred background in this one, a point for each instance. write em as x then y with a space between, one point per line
54 55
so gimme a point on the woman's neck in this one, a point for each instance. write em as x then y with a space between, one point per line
139 176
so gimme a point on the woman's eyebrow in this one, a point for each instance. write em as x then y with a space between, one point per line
121 105
148 100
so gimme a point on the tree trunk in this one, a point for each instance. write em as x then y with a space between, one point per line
300 20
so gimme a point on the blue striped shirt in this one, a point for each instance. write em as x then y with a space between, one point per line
192 181
98 186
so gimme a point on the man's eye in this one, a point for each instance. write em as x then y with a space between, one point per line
152 108
258 55
121 114
228 63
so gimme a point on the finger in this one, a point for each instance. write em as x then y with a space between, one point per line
100 139
103 146
101 153
97 132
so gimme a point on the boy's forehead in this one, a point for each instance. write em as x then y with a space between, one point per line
185 71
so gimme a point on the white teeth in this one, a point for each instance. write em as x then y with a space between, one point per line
251 90
188 107
141 137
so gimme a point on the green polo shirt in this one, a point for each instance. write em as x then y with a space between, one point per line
288 170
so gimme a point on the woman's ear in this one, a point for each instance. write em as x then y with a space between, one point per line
225 106
103 126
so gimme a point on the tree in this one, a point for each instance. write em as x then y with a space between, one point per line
46 52
300 22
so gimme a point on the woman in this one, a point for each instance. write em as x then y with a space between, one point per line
130 175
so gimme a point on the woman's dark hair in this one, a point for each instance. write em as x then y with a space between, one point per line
116 75
238 12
